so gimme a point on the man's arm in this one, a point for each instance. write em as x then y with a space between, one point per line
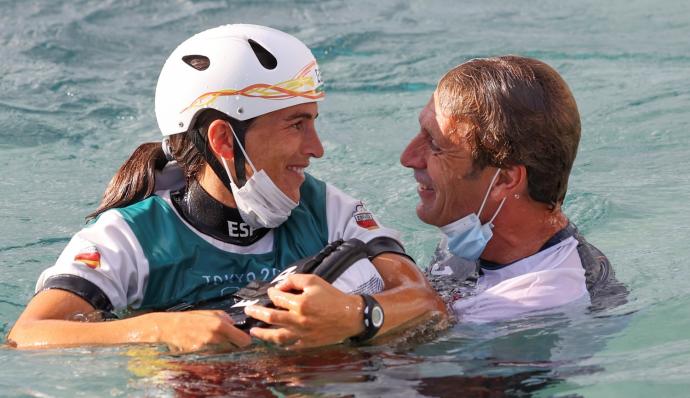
45 323
311 312
408 295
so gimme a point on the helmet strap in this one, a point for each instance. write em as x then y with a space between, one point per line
201 144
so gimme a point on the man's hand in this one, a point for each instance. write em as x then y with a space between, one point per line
310 312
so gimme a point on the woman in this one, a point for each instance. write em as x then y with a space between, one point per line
237 106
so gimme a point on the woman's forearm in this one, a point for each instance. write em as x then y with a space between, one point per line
45 323
46 333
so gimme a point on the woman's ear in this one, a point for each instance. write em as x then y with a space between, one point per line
511 181
220 138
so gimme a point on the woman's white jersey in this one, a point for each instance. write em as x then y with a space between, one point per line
146 256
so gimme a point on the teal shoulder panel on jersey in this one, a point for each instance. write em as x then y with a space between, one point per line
306 230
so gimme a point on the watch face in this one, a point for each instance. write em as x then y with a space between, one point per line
377 316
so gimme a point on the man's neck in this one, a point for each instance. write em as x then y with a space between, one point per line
522 232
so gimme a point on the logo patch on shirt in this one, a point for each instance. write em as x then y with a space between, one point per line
89 257
363 217
239 229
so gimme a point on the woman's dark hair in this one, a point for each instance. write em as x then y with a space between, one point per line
135 180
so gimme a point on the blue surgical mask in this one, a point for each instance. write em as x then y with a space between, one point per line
467 237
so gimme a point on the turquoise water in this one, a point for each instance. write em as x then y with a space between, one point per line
77 81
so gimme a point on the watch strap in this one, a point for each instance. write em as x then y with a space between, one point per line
373 319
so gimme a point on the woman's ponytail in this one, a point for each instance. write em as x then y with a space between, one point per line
135 180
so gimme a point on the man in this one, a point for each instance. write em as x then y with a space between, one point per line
492 158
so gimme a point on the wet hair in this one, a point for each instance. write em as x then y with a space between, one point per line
135 180
520 112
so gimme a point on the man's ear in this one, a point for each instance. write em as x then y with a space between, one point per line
220 138
511 181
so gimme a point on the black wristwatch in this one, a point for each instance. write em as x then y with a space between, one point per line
373 319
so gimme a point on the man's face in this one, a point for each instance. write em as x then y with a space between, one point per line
449 187
282 142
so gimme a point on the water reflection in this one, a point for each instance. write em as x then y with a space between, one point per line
518 358
517 385
268 373
338 372
508 361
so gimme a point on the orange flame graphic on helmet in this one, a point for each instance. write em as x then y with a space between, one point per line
279 91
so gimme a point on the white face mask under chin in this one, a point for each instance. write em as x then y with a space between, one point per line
260 202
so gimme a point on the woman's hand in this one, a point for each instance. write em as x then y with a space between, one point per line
196 330
46 322
311 312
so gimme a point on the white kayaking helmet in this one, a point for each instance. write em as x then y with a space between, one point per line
243 71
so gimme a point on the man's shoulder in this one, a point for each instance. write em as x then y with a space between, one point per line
604 288
597 266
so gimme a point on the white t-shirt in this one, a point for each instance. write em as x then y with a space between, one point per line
548 279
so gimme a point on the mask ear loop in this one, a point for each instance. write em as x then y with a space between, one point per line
486 196
227 171
225 163
241 148
497 211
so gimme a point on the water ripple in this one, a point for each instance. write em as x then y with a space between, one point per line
12 303
51 51
382 88
25 108
40 242
586 209
346 44
20 131
600 56
659 96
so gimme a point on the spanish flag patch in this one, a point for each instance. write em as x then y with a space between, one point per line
363 217
89 257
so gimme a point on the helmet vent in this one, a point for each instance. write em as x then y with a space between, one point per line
266 59
198 62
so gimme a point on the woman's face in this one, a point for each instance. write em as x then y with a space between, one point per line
282 142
